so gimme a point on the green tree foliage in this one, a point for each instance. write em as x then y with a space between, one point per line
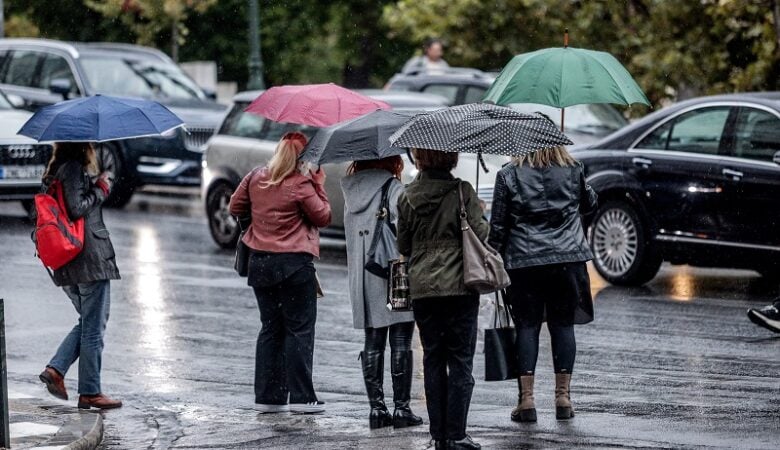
152 19
674 49
67 20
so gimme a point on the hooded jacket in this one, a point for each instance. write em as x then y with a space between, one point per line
429 233
536 216
368 292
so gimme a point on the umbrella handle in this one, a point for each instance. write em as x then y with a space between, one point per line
566 38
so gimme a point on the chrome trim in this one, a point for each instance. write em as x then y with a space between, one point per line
20 182
633 146
164 165
691 240
717 158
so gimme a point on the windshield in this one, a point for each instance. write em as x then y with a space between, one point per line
592 119
133 78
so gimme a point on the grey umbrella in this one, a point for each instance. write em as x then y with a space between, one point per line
479 128
365 137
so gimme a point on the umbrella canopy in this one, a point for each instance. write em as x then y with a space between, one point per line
316 105
99 119
479 128
365 137
564 77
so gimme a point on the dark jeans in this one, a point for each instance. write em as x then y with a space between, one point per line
448 332
400 338
285 345
564 347
85 340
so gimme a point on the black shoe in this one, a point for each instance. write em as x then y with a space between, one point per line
767 317
437 444
465 443
373 374
401 370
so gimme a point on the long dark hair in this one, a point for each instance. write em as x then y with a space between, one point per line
83 152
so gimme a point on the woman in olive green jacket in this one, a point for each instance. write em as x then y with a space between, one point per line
429 235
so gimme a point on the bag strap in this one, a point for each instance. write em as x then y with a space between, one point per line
500 305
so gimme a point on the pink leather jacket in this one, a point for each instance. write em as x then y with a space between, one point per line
286 217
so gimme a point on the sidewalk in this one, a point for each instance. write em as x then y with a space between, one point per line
48 424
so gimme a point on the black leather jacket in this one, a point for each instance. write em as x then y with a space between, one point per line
536 216
83 199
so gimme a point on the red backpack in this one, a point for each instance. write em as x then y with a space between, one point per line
57 238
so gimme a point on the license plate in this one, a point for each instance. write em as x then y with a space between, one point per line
21 172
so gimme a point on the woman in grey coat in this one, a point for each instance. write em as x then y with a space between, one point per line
363 187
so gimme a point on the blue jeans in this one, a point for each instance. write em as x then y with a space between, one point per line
85 340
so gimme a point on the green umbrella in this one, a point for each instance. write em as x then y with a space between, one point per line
564 77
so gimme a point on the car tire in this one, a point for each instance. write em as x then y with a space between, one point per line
124 184
222 225
623 253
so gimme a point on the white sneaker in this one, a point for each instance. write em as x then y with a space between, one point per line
265 408
307 408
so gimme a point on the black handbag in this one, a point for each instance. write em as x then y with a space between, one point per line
242 250
500 346
383 247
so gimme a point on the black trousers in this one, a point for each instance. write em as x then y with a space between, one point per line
285 345
448 332
400 338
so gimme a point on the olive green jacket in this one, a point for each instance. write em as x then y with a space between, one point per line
429 233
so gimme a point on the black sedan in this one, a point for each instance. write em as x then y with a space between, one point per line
696 183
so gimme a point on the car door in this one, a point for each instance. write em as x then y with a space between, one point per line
753 173
449 91
679 166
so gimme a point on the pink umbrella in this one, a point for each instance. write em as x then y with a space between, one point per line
317 105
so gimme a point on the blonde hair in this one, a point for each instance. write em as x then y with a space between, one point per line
83 152
548 157
285 159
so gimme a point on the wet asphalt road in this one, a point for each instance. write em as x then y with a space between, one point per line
675 364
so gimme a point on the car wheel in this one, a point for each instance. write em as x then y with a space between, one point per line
124 185
223 226
621 248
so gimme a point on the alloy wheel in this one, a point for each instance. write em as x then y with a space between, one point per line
615 242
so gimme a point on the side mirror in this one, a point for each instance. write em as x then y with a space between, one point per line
61 86
17 101
210 94
776 158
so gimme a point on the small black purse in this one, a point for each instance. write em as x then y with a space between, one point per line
383 246
242 250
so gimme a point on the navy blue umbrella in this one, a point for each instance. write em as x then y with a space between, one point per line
99 119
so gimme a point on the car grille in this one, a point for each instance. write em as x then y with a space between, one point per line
196 137
24 154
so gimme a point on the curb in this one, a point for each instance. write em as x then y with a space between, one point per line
92 439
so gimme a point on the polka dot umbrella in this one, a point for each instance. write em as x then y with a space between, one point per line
479 128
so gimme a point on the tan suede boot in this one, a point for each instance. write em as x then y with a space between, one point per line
563 408
525 410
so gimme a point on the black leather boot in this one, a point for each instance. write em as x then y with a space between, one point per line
373 371
401 369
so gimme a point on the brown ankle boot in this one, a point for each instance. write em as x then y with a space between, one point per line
100 401
563 408
55 383
525 410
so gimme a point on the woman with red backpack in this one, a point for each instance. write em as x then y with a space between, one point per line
73 170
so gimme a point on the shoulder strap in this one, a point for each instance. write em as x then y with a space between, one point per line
463 213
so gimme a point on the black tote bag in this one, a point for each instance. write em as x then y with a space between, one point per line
500 346
383 247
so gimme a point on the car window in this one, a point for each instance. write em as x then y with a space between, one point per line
55 67
448 91
21 68
698 131
242 124
474 94
756 135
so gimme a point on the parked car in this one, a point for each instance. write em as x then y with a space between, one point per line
247 140
696 183
40 72
22 160
584 124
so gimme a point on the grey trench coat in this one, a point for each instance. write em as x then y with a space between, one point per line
367 292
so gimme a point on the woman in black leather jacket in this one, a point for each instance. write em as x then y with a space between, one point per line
536 224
